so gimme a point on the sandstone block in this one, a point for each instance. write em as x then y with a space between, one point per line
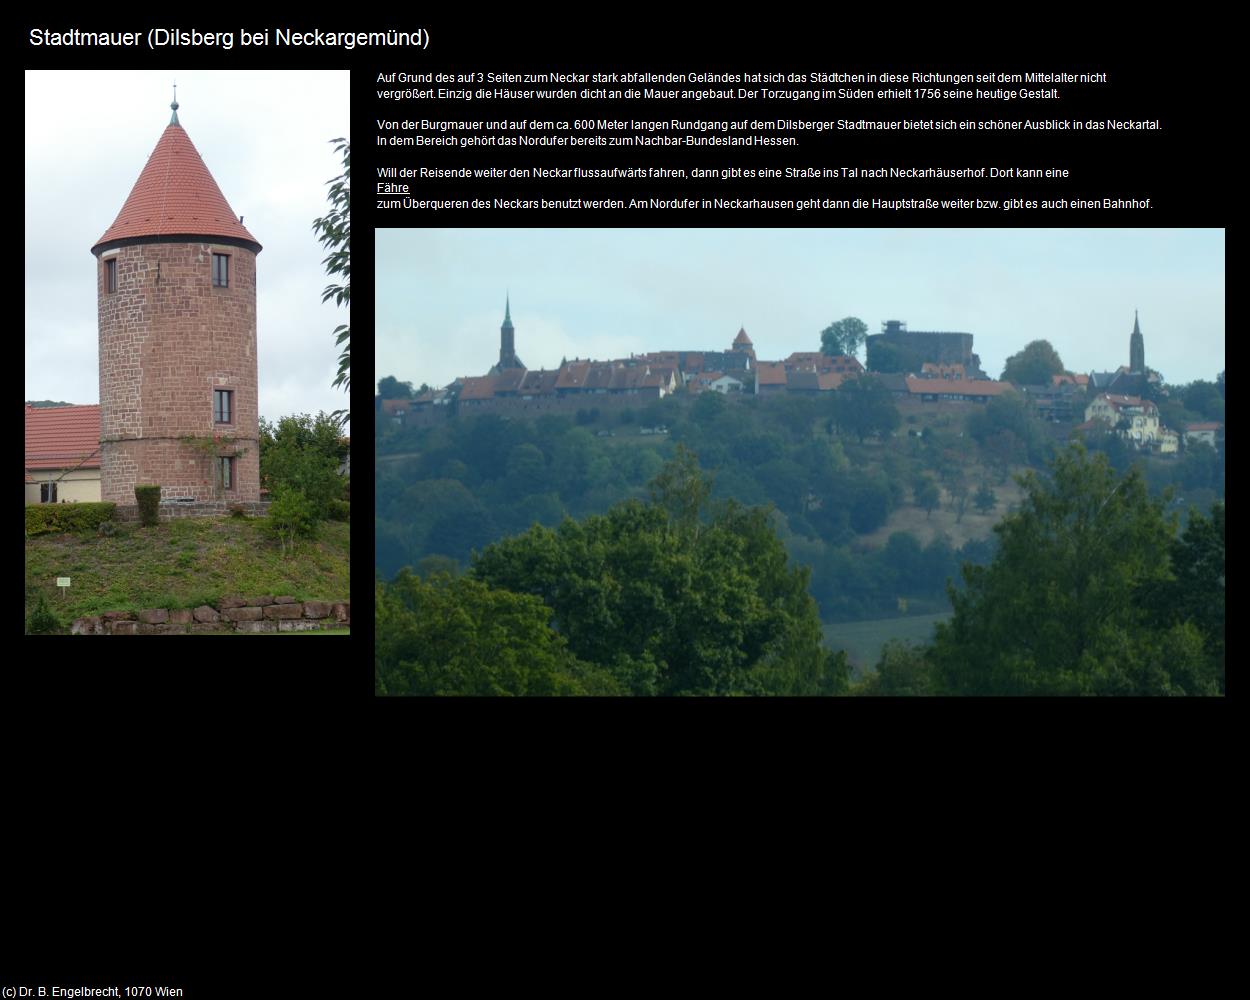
154 616
298 626
242 614
180 617
205 614
318 609
257 627
284 611
125 628
284 600
86 626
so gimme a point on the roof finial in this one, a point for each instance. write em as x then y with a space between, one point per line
173 120
507 308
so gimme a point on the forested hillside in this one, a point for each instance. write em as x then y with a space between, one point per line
838 470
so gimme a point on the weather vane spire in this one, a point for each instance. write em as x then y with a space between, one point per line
173 120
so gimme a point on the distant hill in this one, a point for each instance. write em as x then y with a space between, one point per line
47 402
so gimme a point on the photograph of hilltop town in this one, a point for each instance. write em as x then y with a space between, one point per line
828 462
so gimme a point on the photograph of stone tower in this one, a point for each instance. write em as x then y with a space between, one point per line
159 339
176 283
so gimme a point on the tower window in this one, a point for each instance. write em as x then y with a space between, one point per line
110 274
221 270
226 472
223 400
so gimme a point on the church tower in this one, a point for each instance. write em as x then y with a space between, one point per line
1136 350
176 291
507 348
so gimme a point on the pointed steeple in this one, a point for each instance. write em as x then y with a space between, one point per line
507 343
176 196
173 119
1136 349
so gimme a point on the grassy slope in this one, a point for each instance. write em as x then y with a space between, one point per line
182 564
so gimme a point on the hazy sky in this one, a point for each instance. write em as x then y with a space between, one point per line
604 293
265 139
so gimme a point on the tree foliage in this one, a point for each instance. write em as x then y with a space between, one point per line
863 407
452 635
334 232
302 454
1034 365
392 388
846 336
676 596
1058 611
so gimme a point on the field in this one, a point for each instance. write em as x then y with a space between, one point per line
182 564
863 640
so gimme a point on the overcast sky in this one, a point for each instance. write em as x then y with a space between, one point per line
264 137
604 293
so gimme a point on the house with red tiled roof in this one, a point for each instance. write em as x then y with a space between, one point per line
1205 431
955 389
1136 419
62 454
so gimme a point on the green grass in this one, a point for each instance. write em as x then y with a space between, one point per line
863 640
182 564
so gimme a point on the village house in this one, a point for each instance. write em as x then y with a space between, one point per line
1136 419
1205 432
63 454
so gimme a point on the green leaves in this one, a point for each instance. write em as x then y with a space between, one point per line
1060 610
677 596
334 233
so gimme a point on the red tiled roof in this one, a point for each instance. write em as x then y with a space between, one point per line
955 387
59 437
742 338
1208 426
391 406
479 388
1073 379
771 372
175 195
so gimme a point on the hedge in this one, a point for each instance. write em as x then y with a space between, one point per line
46 518
148 498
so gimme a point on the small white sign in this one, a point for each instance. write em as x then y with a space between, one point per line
62 581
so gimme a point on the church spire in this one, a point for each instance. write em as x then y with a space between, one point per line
507 308
173 120
1136 349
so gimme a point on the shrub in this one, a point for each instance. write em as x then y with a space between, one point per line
107 529
340 510
41 519
290 517
237 510
148 498
42 621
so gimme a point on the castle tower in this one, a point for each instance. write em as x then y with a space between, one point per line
176 287
507 347
1136 349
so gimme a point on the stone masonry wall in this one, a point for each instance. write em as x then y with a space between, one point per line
232 614
168 338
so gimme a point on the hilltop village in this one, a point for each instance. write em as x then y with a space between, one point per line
925 367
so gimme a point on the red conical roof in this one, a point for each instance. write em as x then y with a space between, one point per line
742 338
175 196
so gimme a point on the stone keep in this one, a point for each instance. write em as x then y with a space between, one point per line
176 286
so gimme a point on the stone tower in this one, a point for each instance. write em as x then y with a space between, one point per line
507 348
176 286
1136 350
